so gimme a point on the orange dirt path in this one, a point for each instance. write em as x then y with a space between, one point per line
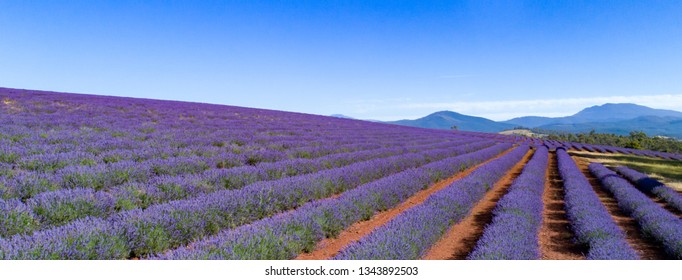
556 236
646 248
461 238
329 247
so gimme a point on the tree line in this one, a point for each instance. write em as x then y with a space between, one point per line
635 140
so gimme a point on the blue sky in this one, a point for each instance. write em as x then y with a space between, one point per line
368 59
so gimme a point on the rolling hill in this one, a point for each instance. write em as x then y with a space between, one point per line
651 125
607 118
448 119
609 113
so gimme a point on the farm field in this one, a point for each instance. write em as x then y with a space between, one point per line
96 177
665 170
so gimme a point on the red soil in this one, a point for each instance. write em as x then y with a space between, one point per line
665 205
556 236
329 247
461 238
646 248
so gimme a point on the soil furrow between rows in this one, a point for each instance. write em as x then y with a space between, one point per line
556 236
461 238
646 248
665 205
329 247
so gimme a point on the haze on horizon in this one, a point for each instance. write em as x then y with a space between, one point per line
383 60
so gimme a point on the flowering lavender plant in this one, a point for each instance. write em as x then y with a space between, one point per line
412 232
650 185
654 221
590 221
513 233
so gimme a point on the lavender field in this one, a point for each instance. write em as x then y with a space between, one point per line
96 177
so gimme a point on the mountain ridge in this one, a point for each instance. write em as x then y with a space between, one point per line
449 119
608 112
617 118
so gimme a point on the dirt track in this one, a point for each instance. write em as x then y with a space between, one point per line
329 247
556 237
646 248
461 238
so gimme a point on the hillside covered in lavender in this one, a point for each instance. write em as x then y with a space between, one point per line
85 176
96 177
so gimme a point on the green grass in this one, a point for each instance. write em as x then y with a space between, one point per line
665 170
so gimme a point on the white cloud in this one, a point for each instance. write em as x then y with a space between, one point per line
507 109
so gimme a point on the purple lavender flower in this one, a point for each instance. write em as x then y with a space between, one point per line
590 221
412 232
654 221
286 235
15 218
650 185
513 233
88 238
60 207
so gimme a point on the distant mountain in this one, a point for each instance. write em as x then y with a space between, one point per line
611 118
608 112
608 118
341 116
624 111
531 121
651 125
447 119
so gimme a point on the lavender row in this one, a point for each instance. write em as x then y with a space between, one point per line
37 160
16 218
650 185
35 131
589 219
99 146
60 207
116 171
181 221
286 235
88 238
553 144
173 224
105 148
104 177
414 231
109 118
173 188
112 175
513 232
653 220
213 156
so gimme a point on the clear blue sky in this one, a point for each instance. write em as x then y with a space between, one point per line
367 59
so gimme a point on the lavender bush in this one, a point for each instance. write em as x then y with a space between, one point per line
650 185
654 221
513 232
590 221
61 207
412 232
88 238
157 175
16 218
324 218
178 222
